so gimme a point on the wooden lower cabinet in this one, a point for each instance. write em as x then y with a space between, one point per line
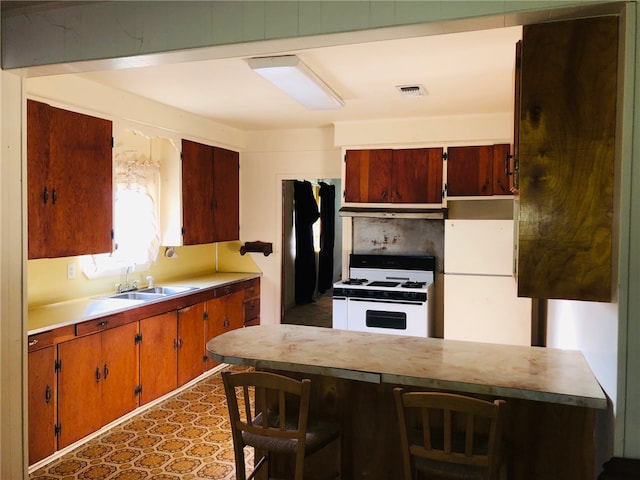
224 314
251 303
172 350
97 381
79 385
192 356
158 364
42 403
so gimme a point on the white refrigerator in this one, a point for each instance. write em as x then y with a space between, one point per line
480 292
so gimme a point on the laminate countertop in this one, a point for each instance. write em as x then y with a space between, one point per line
47 317
529 373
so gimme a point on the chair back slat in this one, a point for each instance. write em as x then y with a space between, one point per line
449 429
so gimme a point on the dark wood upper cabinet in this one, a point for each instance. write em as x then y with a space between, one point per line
567 133
69 179
417 175
478 170
226 194
368 176
394 176
210 194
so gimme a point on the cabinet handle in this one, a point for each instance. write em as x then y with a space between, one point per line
45 195
47 394
175 343
225 322
507 157
105 369
398 196
485 186
98 375
33 342
54 196
383 195
180 343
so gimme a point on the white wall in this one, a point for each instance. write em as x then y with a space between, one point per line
591 327
269 158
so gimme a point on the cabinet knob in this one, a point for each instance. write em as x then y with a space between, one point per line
45 195
105 369
98 375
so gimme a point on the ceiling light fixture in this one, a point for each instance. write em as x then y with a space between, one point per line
289 74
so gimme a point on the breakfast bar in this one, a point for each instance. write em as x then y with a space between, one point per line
552 395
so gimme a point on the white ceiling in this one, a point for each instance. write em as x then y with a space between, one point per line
463 73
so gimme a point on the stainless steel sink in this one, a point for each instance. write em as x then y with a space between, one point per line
166 290
138 295
151 293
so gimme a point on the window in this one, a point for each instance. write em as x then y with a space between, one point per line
136 215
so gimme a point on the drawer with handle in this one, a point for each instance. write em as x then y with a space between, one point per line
40 340
99 324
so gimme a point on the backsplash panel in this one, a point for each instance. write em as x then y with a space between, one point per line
399 236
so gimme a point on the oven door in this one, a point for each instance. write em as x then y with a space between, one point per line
386 316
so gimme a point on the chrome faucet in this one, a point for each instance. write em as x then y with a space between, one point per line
127 288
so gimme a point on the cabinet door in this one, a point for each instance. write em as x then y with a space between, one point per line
38 187
225 313
42 403
198 200
119 371
417 175
81 184
158 356
226 179
501 176
567 151
191 344
470 170
79 392
368 176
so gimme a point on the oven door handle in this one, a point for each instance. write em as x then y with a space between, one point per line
376 300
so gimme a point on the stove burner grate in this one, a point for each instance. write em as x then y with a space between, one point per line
413 284
382 283
355 281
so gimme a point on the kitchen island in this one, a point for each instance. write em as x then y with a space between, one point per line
552 395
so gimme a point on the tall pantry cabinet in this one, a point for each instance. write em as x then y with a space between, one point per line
69 178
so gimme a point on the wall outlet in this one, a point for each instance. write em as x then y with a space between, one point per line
71 271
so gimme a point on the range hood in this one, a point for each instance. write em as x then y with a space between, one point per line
394 212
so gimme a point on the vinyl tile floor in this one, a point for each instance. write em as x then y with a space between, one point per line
185 437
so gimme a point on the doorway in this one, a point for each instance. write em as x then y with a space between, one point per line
311 304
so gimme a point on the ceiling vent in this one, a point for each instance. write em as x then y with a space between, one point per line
411 90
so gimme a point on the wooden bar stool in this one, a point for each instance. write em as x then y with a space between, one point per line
450 436
279 423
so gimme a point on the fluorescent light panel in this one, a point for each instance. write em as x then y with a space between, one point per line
289 74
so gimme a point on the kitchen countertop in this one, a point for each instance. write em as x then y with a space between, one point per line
530 373
47 317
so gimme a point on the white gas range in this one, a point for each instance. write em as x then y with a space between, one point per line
386 294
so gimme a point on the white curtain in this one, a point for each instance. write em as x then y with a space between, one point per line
137 190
